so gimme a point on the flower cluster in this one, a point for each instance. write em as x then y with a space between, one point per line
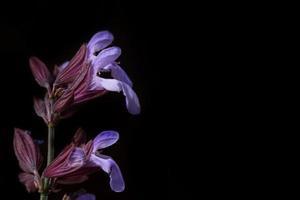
80 79
91 73
73 165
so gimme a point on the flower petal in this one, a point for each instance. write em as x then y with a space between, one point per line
26 150
86 197
118 73
106 57
110 166
99 41
40 72
105 139
77 157
132 101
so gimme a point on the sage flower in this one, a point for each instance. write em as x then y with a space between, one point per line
81 79
88 83
80 159
104 60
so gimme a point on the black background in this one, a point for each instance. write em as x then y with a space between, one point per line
54 31
202 74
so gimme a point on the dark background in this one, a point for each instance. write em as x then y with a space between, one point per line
201 72
54 31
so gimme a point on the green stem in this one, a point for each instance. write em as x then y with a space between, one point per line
50 156
44 196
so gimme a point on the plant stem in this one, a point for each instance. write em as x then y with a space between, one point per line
44 196
50 153
50 156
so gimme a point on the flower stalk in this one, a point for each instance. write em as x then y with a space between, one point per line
51 133
50 155
44 196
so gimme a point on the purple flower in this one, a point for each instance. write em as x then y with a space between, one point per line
81 79
80 159
89 84
104 60
30 159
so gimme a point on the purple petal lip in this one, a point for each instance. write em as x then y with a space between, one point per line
118 73
105 139
108 165
113 85
106 57
79 160
100 41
